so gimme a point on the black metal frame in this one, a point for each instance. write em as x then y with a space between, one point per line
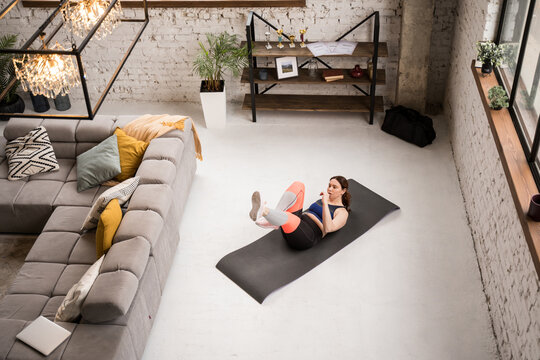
76 51
531 152
252 61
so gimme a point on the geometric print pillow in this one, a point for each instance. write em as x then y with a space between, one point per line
30 154
122 192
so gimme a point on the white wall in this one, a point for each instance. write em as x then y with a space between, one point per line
510 280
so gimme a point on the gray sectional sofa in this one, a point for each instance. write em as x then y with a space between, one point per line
121 306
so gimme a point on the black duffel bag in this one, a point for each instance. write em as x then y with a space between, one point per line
409 125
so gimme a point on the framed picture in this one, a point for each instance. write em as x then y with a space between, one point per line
286 67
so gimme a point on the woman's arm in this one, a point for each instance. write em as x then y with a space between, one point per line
339 220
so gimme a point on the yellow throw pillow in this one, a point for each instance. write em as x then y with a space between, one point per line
109 221
131 153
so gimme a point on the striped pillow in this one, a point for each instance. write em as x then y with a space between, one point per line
30 154
122 192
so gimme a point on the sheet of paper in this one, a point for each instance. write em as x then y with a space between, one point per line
332 48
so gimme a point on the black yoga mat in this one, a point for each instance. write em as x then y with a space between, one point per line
269 263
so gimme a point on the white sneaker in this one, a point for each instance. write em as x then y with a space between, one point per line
262 222
256 206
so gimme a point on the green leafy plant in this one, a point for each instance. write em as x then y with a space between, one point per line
489 52
497 98
7 69
221 54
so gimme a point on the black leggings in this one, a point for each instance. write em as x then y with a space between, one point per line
307 234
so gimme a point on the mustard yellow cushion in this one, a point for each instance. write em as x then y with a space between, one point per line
109 221
131 153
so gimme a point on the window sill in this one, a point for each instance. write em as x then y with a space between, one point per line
186 3
516 168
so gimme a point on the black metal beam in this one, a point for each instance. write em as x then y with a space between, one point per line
8 8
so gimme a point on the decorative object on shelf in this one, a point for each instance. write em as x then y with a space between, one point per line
53 70
490 54
62 103
280 38
11 103
222 54
291 38
302 33
49 75
40 103
286 67
267 36
498 98
370 69
357 72
330 75
84 14
313 67
534 208
263 74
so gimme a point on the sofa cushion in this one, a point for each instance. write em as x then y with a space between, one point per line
54 247
37 278
157 172
70 309
71 276
122 192
155 197
95 131
130 255
99 164
67 218
69 196
110 297
51 307
9 328
165 149
108 224
131 154
84 251
30 154
147 224
20 127
65 166
22 306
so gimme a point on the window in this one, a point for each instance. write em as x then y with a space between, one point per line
519 32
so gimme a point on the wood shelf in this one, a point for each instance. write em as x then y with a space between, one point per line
363 49
336 103
304 78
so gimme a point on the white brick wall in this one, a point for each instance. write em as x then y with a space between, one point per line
508 274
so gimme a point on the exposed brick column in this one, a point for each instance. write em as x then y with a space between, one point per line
414 53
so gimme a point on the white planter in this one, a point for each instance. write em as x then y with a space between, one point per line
214 106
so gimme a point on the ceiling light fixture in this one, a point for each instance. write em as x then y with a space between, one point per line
51 71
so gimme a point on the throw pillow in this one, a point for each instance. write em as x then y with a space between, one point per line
70 309
100 163
109 221
131 154
122 192
30 154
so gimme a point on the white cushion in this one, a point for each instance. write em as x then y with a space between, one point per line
122 192
30 154
70 309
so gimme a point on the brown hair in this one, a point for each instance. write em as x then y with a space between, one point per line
346 197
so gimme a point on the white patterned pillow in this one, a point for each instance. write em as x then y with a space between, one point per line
122 192
30 154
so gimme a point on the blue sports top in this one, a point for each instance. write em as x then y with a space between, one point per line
316 209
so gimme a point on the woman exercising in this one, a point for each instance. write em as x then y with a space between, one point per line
303 230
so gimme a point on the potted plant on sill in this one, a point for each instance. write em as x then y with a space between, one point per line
490 54
222 54
498 98
11 103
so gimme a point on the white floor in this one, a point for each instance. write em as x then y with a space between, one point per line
407 289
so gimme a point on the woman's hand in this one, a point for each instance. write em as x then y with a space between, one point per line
324 197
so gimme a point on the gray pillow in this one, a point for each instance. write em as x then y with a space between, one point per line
99 164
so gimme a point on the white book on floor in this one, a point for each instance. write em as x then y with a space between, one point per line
43 335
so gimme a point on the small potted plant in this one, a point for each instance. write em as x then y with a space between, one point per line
490 54
11 103
498 98
221 54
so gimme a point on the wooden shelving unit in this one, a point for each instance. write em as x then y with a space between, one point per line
260 100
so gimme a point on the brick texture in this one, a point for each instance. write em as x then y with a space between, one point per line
510 281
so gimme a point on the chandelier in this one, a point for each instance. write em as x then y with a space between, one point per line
84 15
47 74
